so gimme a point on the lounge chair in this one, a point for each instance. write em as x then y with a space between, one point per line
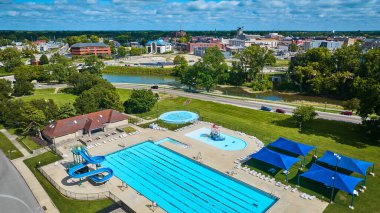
287 187
294 190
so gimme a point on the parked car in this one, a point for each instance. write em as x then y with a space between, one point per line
280 111
265 108
154 87
346 113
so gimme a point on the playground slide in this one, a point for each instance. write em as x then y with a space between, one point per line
91 174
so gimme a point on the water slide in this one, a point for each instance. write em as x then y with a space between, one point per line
91 174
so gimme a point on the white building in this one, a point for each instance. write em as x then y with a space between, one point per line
158 46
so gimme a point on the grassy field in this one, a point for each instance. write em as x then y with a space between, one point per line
281 63
28 144
61 98
343 138
137 70
63 203
6 145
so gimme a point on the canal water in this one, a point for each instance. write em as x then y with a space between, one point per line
139 79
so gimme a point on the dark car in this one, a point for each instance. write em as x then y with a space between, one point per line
280 111
154 87
346 113
265 108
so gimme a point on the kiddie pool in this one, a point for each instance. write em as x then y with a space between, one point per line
179 117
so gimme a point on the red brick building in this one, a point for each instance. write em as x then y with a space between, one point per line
191 46
90 48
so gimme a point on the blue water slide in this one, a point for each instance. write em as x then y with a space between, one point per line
91 174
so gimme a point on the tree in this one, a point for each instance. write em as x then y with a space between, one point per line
213 57
180 65
352 104
48 107
94 39
81 82
254 58
293 48
236 76
121 52
304 114
93 65
140 101
180 60
67 110
44 59
23 84
98 98
11 58
56 58
32 118
134 51
5 89
190 76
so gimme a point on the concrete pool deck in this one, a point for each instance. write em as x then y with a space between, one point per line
213 157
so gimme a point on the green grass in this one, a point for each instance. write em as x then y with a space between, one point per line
138 70
281 63
59 98
6 145
28 144
165 125
129 129
62 98
63 203
343 138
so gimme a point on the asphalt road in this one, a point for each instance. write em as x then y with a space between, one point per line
15 195
241 103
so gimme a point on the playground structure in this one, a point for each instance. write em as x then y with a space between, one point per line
215 133
81 161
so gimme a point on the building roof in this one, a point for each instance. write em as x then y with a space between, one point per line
100 44
159 42
86 122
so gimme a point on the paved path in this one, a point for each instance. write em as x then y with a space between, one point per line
12 138
15 195
35 186
251 104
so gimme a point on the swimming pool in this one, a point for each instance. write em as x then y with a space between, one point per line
229 143
179 117
179 184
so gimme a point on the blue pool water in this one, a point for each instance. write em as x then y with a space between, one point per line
179 184
179 117
230 143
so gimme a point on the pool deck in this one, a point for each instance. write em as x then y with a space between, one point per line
218 159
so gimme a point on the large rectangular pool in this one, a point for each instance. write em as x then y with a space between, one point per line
179 184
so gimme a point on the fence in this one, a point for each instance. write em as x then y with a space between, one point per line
86 196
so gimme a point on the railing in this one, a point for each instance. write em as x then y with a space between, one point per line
86 196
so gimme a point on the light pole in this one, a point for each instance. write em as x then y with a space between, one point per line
336 170
157 98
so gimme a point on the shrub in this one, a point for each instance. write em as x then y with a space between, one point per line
140 101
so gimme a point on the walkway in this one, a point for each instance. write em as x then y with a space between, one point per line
12 138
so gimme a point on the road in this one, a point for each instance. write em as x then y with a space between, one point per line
15 195
241 103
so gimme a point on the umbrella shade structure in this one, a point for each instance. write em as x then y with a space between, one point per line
291 146
350 164
332 179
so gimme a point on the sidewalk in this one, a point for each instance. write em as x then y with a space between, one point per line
12 138
38 191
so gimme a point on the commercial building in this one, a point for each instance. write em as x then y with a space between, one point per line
81 125
191 46
90 48
158 46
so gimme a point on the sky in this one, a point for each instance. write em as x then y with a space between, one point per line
307 15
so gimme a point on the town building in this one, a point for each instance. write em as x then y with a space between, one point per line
90 48
158 46
191 46
82 125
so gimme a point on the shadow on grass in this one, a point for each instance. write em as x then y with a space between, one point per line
341 132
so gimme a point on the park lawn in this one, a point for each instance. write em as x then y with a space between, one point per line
281 63
58 98
28 144
63 203
6 145
124 94
343 138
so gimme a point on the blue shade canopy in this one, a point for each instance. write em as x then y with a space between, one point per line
325 176
291 146
350 164
275 158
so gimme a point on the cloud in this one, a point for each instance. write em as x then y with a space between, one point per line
191 14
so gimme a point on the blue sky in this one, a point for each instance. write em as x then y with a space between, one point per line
189 14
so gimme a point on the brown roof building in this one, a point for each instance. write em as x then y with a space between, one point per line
80 125
90 49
